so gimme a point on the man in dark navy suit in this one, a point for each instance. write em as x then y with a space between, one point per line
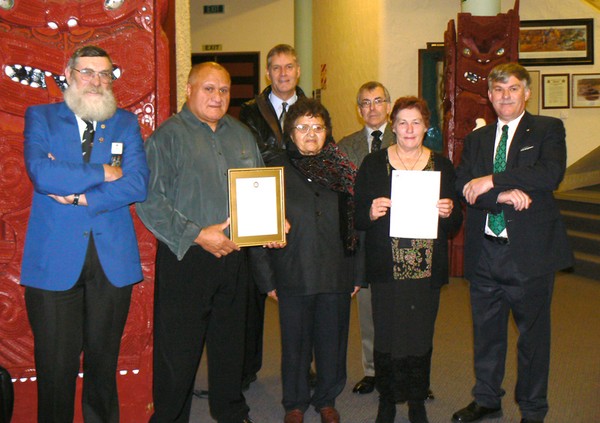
515 242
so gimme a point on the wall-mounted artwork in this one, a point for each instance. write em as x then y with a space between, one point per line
556 42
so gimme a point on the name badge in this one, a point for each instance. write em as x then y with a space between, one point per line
116 148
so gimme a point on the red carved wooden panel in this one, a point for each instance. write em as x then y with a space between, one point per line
36 39
472 49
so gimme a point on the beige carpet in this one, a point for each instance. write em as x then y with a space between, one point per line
574 393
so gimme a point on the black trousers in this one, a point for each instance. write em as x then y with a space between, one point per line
89 317
255 319
313 323
497 289
199 300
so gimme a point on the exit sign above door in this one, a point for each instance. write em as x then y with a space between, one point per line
214 8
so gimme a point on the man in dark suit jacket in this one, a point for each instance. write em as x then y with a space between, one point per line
81 255
374 106
515 242
264 115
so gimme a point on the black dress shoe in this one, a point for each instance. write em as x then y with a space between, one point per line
247 380
365 386
430 396
474 412
531 421
201 393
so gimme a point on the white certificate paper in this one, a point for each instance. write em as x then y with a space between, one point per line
414 197
256 206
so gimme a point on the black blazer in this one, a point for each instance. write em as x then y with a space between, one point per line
313 261
260 116
373 182
535 164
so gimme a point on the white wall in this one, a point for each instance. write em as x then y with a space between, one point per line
346 39
246 26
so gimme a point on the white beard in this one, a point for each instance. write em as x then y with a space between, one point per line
97 109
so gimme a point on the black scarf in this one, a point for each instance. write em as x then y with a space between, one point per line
333 170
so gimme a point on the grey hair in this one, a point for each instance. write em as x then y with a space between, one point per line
370 86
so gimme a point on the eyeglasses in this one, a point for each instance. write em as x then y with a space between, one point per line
365 104
88 74
303 128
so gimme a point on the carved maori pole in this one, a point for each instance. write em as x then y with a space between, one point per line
472 49
36 39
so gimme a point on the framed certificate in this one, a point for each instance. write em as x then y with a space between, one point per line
256 205
555 91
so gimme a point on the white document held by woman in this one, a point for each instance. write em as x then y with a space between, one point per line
414 212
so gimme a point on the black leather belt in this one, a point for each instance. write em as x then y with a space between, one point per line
496 239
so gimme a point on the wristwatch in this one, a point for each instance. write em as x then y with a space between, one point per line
76 200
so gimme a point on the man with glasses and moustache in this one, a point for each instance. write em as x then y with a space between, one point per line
81 256
373 103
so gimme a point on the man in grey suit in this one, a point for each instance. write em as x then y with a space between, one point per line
374 107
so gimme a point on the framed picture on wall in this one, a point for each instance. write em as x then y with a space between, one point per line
556 42
555 91
586 90
533 104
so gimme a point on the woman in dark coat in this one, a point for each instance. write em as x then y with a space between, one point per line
315 275
405 274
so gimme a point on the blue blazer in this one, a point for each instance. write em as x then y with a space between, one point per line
58 234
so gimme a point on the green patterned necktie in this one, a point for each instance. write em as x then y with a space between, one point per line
496 221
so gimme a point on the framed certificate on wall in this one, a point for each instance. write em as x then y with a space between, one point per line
555 91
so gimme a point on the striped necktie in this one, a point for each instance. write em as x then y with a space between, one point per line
282 115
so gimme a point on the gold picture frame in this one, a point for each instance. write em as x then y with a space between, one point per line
533 104
256 205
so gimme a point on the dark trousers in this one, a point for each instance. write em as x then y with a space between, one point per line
254 330
313 323
497 289
199 300
89 317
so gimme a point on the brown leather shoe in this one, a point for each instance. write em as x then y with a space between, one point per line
329 415
294 416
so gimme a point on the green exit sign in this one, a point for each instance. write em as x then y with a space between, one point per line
214 8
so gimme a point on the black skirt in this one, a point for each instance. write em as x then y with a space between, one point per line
404 314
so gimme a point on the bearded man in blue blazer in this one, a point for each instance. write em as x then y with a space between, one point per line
86 160
515 241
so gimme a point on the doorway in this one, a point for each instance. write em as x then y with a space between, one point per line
244 71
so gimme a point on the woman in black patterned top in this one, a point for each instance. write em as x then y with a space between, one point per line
405 274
